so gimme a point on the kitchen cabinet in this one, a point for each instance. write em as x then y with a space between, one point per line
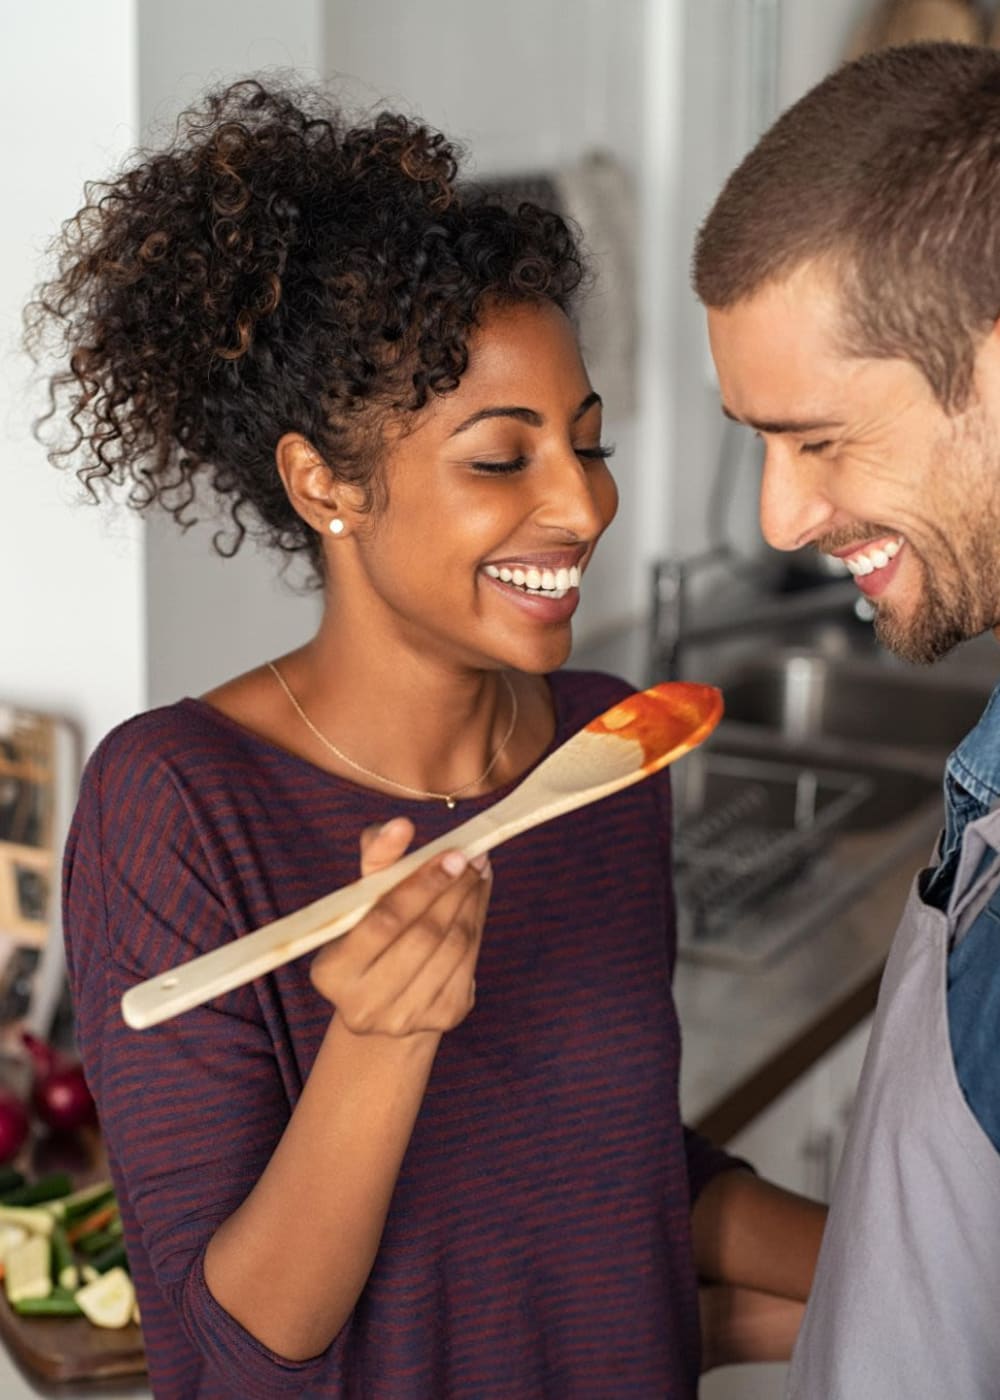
796 1142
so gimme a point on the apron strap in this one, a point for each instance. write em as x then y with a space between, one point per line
977 878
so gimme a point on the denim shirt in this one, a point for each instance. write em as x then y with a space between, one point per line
971 789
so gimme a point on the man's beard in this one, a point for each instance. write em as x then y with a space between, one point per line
943 620
960 569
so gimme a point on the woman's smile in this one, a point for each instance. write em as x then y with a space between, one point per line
504 483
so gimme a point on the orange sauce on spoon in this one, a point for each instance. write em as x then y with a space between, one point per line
667 718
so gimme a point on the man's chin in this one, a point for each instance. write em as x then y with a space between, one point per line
921 641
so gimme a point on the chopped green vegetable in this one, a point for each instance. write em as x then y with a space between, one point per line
58 1304
47 1188
113 1257
10 1236
64 1267
62 1251
27 1270
37 1219
98 1242
109 1300
10 1178
82 1202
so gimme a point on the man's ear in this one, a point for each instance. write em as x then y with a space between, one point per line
313 489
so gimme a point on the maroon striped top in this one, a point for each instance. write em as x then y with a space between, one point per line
538 1243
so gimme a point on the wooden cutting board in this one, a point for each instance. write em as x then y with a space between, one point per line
71 1348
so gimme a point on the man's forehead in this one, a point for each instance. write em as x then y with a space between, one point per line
779 357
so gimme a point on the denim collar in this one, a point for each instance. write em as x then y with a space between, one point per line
972 774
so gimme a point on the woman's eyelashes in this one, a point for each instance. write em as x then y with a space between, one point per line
600 453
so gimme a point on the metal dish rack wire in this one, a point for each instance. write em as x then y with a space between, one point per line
747 830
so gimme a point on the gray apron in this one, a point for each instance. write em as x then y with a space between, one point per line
906 1303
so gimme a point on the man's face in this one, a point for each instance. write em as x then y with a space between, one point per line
862 462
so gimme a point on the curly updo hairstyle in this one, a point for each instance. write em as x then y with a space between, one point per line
274 270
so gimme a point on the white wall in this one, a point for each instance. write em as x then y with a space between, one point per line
71 625
723 113
101 615
209 618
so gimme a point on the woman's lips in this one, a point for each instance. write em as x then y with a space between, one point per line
549 607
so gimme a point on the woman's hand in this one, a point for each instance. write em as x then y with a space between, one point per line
409 965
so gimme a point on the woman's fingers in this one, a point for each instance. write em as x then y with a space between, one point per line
369 974
428 978
383 845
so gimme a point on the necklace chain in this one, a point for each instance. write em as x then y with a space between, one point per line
448 798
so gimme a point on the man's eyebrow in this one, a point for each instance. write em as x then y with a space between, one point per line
784 425
523 415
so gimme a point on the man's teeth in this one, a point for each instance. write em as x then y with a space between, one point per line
861 564
550 583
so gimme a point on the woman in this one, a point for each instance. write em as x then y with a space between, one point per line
470 1178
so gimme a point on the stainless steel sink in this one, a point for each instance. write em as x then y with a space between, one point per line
808 698
867 739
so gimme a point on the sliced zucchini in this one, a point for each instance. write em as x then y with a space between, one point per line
65 1272
97 1242
28 1270
114 1257
80 1203
55 1186
36 1219
57 1304
10 1237
109 1300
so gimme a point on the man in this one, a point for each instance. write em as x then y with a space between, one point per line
851 274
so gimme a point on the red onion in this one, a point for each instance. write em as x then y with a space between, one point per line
13 1125
60 1095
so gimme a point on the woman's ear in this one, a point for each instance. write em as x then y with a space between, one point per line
328 505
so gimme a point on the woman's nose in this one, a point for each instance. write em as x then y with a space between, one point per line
578 497
794 510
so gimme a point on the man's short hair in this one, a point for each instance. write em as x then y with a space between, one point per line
889 172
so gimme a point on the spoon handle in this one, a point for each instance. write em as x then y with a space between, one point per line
241 960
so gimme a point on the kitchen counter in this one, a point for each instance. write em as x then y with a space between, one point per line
750 1032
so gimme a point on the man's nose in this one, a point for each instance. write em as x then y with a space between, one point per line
794 509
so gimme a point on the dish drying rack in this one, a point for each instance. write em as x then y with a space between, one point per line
748 841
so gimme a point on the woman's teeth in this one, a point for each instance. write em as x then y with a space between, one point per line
861 564
548 583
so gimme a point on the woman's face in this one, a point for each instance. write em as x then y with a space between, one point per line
497 494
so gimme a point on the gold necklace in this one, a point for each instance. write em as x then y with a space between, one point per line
448 798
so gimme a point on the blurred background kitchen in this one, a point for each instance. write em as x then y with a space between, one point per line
800 827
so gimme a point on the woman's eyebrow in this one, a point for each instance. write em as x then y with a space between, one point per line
523 415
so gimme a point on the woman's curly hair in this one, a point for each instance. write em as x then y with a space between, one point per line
273 270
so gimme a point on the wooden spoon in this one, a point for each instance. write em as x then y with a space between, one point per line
638 736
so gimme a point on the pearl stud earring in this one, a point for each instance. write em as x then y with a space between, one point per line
336 526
